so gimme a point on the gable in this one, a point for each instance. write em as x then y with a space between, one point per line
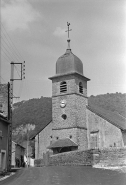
43 127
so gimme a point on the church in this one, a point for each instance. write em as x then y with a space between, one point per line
75 124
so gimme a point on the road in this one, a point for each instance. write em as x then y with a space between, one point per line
65 175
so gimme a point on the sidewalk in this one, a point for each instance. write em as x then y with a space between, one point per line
121 169
5 175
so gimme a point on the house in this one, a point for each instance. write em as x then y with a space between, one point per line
28 159
75 124
5 123
18 153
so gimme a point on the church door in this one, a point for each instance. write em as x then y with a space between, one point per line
94 140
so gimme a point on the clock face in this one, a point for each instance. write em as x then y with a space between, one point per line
63 103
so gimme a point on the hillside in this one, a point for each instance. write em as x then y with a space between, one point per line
113 102
37 112
30 114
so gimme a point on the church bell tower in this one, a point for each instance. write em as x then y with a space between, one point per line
69 100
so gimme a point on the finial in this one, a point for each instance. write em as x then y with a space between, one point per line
68 24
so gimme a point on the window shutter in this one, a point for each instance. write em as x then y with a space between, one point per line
63 87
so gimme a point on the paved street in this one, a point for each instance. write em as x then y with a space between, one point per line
65 175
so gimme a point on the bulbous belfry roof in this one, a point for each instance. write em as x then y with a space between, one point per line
69 63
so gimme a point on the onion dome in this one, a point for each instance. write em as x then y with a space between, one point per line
69 63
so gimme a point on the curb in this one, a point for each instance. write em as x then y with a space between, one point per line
6 176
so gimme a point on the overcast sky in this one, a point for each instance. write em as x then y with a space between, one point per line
37 29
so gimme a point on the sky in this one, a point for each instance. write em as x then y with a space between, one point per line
34 31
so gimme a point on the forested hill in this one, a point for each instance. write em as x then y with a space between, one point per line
37 112
113 102
34 111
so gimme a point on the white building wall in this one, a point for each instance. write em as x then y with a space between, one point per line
108 135
13 153
42 141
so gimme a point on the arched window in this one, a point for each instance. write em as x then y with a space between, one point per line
80 88
63 87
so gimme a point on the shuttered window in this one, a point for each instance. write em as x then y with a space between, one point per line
63 87
80 88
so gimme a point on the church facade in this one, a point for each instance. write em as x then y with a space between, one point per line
75 125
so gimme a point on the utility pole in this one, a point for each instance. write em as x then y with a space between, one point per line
11 106
27 145
0 53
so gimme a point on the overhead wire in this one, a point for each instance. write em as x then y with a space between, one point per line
8 46
10 49
11 53
5 57
8 53
3 79
11 42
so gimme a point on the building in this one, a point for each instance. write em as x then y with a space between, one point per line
75 124
4 125
5 153
18 153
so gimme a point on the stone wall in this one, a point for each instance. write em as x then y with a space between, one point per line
105 157
75 111
4 99
72 158
67 158
77 135
76 102
72 84
39 162
110 157
65 133
74 125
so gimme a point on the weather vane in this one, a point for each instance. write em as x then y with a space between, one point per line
68 24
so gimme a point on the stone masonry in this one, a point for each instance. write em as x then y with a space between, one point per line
4 99
74 126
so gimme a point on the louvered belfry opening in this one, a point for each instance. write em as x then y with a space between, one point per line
81 88
63 87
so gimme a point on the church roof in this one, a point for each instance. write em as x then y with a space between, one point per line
62 143
42 127
113 117
68 63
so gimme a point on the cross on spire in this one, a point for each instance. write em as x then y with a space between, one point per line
68 48
68 24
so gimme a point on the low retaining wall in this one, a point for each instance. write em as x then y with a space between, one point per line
105 157
72 158
67 158
39 162
110 157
